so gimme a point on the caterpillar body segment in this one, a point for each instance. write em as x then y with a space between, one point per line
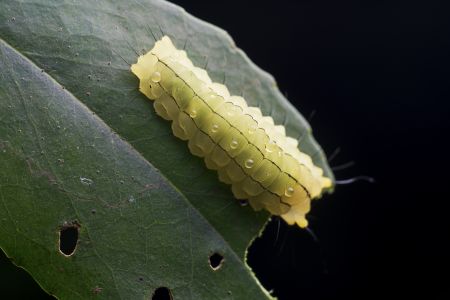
247 149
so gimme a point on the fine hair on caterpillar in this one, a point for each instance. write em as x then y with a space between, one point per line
344 166
247 149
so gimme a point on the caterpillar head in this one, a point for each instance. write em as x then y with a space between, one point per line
146 70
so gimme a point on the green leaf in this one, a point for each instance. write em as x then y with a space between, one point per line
80 146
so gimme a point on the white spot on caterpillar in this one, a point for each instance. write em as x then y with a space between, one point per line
214 128
249 163
193 113
271 147
156 77
289 191
234 144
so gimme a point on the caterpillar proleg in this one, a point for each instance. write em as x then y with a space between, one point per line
247 149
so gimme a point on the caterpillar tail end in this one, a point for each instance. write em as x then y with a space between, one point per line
293 218
296 215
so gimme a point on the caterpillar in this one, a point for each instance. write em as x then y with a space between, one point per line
249 152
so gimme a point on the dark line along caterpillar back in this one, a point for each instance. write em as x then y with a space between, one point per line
248 151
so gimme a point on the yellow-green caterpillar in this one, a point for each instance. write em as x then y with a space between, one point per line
247 149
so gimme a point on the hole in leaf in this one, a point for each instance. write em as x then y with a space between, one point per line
68 238
162 293
216 261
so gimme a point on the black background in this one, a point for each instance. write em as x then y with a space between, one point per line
377 75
